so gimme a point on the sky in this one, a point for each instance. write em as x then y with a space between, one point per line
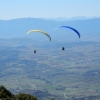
13 9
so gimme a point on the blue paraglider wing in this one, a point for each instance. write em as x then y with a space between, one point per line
71 28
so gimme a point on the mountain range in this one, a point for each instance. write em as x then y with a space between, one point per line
17 28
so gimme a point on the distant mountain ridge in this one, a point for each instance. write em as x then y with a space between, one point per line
17 28
69 19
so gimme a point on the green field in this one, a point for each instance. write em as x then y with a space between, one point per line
73 72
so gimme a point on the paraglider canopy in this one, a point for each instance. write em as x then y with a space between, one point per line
71 29
40 32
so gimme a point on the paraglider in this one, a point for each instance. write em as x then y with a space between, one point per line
71 29
40 32
34 51
63 48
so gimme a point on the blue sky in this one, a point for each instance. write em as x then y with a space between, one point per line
12 9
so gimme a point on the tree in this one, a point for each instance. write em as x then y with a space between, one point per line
4 93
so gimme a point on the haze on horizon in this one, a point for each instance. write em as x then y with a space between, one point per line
13 9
